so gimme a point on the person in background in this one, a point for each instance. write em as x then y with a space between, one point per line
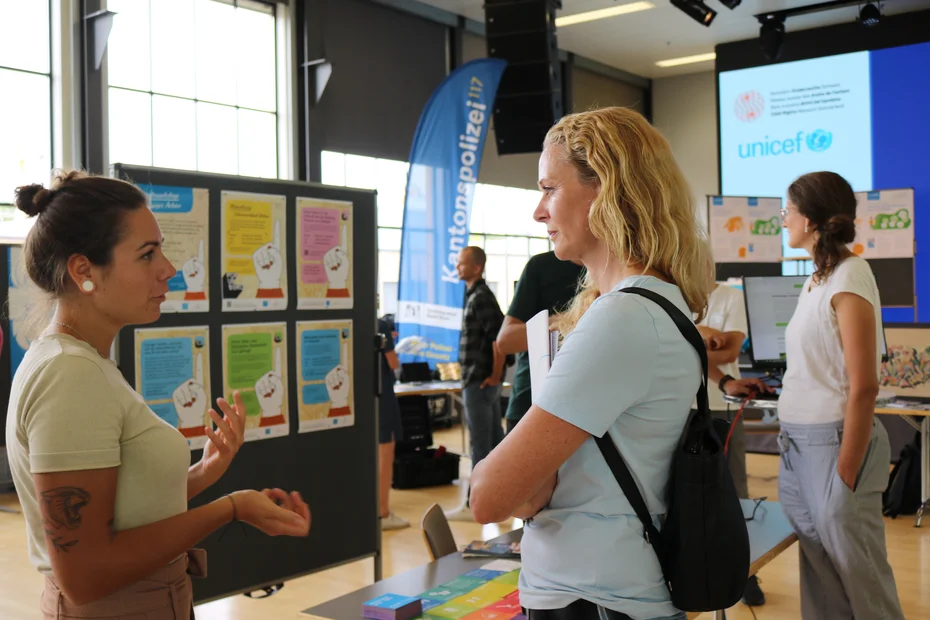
389 426
482 365
614 199
103 482
724 330
834 453
546 283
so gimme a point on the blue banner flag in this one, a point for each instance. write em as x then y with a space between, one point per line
444 162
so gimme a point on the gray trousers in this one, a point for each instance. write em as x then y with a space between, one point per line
736 455
844 563
483 417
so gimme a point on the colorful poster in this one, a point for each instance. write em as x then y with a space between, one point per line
183 214
324 375
173 377
255 364
324 253
744 230
884 224
19 295
907 371
254 273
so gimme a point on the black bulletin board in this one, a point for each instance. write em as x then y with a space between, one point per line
335 470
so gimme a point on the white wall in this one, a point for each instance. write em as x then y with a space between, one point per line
684 109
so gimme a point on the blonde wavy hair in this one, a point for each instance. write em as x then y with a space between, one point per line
643 210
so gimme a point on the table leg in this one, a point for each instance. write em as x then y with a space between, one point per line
924 469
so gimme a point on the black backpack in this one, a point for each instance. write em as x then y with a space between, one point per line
703 547
902 497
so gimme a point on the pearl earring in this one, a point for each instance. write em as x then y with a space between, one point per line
87 285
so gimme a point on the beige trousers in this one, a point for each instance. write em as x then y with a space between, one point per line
164 595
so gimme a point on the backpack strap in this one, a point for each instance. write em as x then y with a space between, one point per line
609 449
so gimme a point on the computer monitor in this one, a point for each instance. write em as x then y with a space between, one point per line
770 304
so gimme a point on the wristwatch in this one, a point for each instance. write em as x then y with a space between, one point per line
723 382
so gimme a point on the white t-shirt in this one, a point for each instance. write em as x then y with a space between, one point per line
71 410
816 385
726 312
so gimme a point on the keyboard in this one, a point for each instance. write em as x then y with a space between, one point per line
766 396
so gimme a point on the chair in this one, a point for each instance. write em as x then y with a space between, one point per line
436 533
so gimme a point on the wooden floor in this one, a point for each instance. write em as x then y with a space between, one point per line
908 549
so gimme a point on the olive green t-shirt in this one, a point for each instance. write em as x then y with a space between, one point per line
71 410
547 283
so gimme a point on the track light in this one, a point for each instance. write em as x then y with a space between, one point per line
730 4
771 36
870 15
696 10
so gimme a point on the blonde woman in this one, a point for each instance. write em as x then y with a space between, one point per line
615 200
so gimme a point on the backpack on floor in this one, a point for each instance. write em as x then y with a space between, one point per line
902 497
703 547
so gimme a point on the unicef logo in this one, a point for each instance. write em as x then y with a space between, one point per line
819 140
749 106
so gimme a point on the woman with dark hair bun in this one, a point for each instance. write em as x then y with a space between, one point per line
834 454
103 482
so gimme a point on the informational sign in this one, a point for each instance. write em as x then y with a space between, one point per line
325 383
324 254
884 224
744 229
255 365
183 214
173 377
254 273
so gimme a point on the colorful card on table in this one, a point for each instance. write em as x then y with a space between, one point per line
512 578
392 607
451 611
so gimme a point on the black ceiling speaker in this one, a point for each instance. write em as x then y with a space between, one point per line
529 97
772 36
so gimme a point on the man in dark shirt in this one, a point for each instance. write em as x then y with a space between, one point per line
482 364
547 283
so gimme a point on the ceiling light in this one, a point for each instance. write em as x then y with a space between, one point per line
771 36
622 9
870 16
730 4
696 10
687 60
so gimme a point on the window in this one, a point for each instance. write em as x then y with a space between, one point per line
192 85
25 104
501 223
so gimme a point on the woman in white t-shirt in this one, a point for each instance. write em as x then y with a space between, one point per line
834 453
103 482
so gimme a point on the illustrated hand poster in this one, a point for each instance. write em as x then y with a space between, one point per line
324 253
884 224
254 274
183 216
19 292
324 375
255 363
745 229
173 377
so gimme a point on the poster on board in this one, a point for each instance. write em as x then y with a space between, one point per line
324 375
745 229
173 377
19 296
324 254
884 224
183 214
907 371
255 364
253 236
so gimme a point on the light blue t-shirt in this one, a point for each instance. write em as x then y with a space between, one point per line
626 368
